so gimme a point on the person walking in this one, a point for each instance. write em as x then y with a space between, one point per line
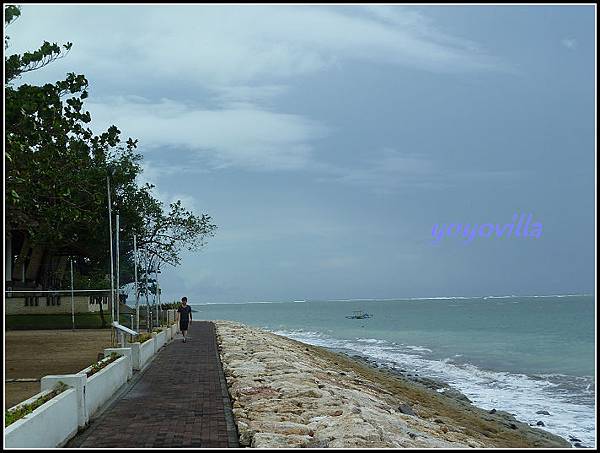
184 317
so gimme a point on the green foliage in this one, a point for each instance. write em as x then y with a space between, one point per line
56 179
102 364
11 416
53 321
143 337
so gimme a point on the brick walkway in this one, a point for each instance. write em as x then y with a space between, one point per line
180 400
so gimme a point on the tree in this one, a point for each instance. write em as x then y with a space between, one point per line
56 171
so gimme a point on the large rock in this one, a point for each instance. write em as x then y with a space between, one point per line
287 394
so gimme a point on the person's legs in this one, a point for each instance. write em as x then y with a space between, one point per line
184 327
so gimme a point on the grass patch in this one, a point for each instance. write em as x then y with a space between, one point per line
60 321
12 416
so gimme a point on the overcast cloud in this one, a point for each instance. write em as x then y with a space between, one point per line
326 141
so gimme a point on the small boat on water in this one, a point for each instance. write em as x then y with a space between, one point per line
359 314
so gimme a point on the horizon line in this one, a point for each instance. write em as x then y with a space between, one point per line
391 299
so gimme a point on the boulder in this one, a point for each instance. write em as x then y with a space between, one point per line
272 440
406 410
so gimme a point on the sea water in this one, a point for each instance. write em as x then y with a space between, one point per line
511 353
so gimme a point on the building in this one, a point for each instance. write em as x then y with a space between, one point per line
30 268
54 303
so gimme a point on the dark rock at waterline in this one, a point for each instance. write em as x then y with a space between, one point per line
543 413
574 439
455 394
578 445
493 411
406 410
540 423
430 383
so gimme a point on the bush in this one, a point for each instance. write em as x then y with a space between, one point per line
171 306
12 416
143 337
103 364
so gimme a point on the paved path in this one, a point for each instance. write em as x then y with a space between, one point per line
180 400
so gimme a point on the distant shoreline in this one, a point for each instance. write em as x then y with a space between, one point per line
289 301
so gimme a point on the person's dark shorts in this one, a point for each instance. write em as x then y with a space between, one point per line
183 325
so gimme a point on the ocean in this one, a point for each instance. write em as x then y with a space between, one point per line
512 353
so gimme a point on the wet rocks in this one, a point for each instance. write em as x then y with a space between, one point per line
455 394
543 413
283 397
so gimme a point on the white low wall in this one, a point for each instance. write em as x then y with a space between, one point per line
125 352
146 352
55 422
141 353
50 425
101 386
159 340
77 382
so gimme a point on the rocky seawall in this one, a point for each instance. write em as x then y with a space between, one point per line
289 394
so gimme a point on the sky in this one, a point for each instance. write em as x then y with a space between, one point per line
327 142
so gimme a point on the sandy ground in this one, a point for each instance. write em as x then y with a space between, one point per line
37 353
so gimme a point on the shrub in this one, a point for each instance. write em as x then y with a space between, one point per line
11 416
143 337
102 364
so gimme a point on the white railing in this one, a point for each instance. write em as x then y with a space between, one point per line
56 421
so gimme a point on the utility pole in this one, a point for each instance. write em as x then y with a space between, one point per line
156 272
137 297
112 276
118 283
72 298
156 294
148 318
